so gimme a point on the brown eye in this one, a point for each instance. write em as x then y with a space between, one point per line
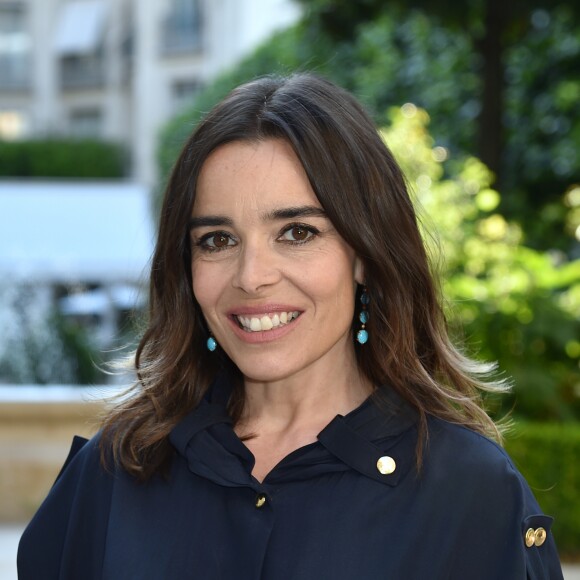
214 241
220 241
299 233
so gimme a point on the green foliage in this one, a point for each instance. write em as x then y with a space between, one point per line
62 158
78 351
413 58
547 455
340 18
543 129
536 100
515 305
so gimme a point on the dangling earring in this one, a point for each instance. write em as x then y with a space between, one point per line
362 335
211 343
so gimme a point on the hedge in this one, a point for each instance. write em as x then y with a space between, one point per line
548 455
63 159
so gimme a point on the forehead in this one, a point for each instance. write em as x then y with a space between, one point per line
256 176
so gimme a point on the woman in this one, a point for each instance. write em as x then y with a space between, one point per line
300 412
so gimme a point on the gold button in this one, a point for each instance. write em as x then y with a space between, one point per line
530 537
260 500
386 465
540 536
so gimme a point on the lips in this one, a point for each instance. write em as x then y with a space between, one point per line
260 322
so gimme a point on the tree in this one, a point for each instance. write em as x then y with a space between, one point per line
505 302
492 25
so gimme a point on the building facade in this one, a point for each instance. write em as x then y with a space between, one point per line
119 69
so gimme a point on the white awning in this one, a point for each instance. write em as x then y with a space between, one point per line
80 27
60 232
94 302
120 296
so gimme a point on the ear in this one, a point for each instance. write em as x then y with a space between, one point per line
359 271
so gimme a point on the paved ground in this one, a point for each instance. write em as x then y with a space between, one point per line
9 536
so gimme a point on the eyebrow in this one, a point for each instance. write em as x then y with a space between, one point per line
210 221
276 214
295 212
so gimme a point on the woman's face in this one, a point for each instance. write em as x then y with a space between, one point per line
275 281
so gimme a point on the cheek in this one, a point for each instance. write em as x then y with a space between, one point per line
204 285
332 282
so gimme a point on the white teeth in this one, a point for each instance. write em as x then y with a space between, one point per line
265 322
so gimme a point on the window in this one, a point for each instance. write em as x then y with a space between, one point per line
82 71
14 47
79 43
184 92
182 27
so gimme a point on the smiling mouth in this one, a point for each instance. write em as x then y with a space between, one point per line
266 321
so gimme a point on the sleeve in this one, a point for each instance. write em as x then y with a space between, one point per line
65 540
493 526
537 541
541 555
524 547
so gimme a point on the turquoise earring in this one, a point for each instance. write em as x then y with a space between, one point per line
211 344
362 335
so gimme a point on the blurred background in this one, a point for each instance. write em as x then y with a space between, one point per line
481 105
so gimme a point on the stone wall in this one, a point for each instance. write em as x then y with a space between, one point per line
36 428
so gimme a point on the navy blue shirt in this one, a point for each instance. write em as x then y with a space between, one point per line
325 511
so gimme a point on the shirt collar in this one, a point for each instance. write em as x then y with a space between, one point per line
381 426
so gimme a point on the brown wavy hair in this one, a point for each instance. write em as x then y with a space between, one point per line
364 194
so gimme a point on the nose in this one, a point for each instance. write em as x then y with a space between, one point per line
257 268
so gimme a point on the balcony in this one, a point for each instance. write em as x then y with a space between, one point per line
82 72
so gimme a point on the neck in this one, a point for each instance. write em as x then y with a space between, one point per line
311 398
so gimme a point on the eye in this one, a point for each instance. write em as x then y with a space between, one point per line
298 233
216 241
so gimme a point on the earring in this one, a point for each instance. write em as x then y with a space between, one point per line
211 344
362 335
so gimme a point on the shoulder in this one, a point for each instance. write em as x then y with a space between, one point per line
473 466
467 454
83 468
83 454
